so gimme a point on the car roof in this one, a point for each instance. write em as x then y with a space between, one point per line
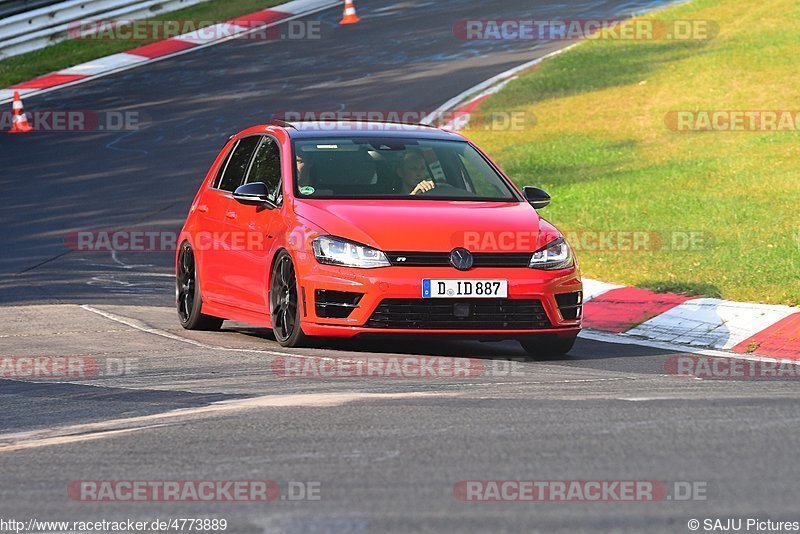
345 129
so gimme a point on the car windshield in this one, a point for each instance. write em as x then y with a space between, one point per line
395 168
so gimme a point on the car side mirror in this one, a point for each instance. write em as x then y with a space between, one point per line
253 194
538 198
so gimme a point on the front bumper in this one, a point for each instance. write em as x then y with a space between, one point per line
406 283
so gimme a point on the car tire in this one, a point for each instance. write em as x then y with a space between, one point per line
187 291
544 347
284 303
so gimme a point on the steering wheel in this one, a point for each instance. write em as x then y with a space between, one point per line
447 190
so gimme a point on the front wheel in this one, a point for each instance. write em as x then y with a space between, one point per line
284 308
545 347
188 296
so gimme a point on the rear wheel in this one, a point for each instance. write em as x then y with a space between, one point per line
284 308
188 299
547 346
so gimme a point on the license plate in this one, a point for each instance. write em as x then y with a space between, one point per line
474 289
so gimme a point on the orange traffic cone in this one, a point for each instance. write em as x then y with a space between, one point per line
20 121
350 16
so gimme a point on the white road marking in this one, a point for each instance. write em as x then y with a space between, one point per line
127 266
66 440
647 399
133 323
138 325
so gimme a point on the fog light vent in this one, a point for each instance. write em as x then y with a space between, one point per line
336 304
570 305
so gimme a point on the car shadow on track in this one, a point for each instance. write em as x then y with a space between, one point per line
587 354
28 405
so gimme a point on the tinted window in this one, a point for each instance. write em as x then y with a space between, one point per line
396 168
238 163
267 167
221 169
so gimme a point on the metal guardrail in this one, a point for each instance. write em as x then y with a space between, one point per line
49 24
15 7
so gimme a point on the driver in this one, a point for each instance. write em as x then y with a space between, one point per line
414 175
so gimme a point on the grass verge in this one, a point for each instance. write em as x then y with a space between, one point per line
602 144
75 51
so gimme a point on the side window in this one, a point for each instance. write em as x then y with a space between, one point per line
267 167
235 169
221 169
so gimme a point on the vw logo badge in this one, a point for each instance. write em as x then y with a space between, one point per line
462 259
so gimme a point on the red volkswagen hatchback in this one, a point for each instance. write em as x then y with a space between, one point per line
338 230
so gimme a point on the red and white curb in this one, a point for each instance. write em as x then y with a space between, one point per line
468 102
157 51
663 320
741 327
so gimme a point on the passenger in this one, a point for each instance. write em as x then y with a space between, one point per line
303 171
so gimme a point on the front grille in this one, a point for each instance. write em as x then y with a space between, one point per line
335 304
442 259
460 314
570 305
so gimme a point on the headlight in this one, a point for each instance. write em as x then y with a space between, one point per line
338 251
555 255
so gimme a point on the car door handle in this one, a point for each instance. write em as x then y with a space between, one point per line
202 209
230 214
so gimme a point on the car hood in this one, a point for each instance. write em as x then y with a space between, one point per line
431 226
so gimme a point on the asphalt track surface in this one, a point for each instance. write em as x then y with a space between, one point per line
386 452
